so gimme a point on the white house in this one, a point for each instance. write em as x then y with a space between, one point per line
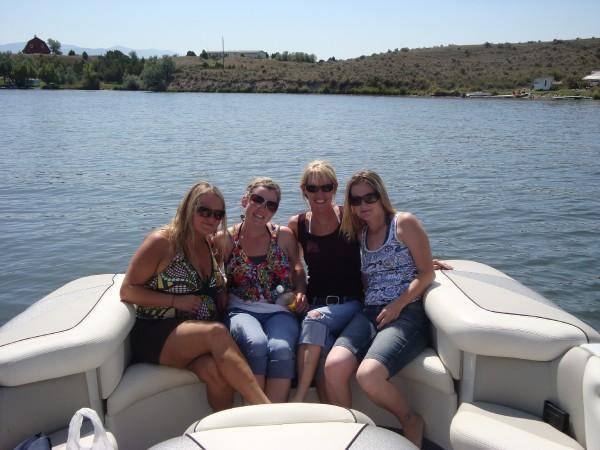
543 83
592 79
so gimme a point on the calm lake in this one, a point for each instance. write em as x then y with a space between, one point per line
84 176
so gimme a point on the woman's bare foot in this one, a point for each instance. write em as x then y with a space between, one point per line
412 427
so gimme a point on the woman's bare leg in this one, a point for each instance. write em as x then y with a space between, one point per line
192 339
278 389
339 367
218 391
308 360
373 377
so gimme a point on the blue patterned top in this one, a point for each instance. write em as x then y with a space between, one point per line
388 270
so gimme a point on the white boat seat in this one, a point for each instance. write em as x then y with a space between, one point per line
483 425
287 425
428 369
141 381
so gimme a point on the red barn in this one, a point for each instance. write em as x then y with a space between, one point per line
36 45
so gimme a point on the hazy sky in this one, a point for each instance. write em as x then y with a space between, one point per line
337 28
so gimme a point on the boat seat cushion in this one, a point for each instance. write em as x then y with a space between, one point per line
483 425
428 369
278 414
141 381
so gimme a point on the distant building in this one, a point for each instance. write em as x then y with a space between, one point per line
254 54
592 79
543 83
36 45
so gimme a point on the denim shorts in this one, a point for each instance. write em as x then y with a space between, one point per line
394 346
324 329
267 340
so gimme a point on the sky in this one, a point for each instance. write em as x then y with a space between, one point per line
344 29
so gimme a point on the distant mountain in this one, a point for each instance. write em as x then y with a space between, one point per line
16 47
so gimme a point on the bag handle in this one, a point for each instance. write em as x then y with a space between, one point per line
101 441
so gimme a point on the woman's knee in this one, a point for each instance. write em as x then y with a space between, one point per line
370 374
340 364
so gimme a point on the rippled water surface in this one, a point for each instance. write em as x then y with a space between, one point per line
84 176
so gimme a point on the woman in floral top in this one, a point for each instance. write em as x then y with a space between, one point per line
176 283
265 277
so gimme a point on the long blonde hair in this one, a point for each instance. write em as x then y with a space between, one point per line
351 223
180 230
317 168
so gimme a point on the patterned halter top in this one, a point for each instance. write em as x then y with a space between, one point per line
180 277
258 282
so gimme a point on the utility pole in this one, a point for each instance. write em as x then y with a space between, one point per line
223 53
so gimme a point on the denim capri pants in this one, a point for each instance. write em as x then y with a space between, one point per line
394 346
267 340
324 325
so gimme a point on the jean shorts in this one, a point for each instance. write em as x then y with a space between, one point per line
394 346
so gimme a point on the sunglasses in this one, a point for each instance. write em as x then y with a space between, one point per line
314 188
369 198
269 204
203 211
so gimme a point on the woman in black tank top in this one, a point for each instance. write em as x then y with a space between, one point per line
334 283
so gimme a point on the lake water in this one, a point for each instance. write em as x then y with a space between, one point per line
84 176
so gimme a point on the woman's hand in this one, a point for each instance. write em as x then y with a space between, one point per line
389 314
300 303
439 264
189 303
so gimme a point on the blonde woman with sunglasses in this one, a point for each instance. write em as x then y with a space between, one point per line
392 329
334 285
265 276
176 284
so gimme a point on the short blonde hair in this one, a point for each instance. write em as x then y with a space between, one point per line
265 182
181 228
351 223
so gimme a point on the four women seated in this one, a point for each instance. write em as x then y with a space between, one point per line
368 267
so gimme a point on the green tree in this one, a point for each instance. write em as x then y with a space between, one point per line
47 74
71 52
90 78
54 46
190 53
84 56
5 65
22 73
158 73
204 55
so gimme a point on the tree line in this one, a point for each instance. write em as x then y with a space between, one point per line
126 71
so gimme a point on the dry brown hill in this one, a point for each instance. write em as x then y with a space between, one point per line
446 69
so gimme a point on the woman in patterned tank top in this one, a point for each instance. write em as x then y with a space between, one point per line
262 266
176 284
392 328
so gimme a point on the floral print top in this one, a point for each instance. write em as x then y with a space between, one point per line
258 282
180 277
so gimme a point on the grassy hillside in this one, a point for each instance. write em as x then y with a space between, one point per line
449 69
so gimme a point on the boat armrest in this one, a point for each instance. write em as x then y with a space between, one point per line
485 312
80 324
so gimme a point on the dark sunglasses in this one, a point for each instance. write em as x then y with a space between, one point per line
259 200
313 188
369 198
203 211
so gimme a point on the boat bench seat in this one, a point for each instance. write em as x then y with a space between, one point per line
482 425
148 392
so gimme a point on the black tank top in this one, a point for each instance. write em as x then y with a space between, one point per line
333 263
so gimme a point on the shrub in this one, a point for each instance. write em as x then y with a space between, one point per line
131 82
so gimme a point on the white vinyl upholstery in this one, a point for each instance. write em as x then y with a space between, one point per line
488 426
591 399
65 333
485 312
277 414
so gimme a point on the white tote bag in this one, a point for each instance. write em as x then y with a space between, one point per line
101 440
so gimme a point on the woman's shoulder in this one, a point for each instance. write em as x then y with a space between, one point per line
158 240
407 225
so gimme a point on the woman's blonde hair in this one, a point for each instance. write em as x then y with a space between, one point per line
319 168
351 223
265 182
181 230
